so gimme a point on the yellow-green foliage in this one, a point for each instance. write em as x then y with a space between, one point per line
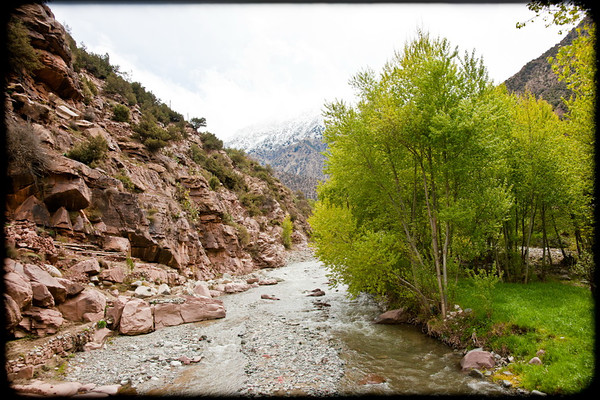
288 228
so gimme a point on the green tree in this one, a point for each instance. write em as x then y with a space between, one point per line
420 159
120 113
198 123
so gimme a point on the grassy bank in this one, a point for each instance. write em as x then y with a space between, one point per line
520 320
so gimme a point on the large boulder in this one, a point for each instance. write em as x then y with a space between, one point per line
61 219
116 243
477 359
41 321
87 306
115 274
201 289
33 210
91 266
73 288
136 318
18 288
67 191
201 308
12 312
41 295
115 310
39 275
167 314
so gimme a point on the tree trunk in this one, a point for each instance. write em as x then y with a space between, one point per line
560 244
529 233
434 239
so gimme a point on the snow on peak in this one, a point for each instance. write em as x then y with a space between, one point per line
308 125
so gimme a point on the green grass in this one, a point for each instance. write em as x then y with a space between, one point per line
555 317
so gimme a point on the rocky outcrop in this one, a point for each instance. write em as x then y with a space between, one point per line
139 240
48 37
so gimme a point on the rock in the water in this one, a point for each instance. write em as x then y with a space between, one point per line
372 379
398 316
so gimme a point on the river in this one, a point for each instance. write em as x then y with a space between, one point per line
297 332
295 345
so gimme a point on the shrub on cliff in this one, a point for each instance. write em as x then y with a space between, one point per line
91 150
120 113
96 64
21 55
25 154
150 134
117 85
210 141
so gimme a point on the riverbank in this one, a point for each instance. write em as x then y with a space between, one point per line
280 339
542 332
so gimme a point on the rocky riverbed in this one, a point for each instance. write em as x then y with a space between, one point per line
297 337
273 341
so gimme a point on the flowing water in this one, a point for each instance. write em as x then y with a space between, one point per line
400 357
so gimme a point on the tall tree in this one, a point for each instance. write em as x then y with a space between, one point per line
420 159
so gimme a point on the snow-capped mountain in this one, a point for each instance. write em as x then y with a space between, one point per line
278 134
293 148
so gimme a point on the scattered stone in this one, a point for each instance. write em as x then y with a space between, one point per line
475 373
397 316
268 297
265 282
535 361
316 293
145 292
477 359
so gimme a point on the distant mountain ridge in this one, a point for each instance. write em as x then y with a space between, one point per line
537 77
293 148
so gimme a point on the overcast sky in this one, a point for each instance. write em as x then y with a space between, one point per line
242 64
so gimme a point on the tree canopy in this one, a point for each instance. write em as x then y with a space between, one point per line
434 171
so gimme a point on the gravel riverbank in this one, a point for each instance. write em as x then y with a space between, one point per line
262 347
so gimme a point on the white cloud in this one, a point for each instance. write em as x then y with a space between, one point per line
237 65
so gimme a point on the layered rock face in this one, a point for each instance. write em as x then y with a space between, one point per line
82 239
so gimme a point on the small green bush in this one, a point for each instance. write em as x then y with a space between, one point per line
120 113
90 150
286 235
21 55
210 141
126 180
150 134
214 182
